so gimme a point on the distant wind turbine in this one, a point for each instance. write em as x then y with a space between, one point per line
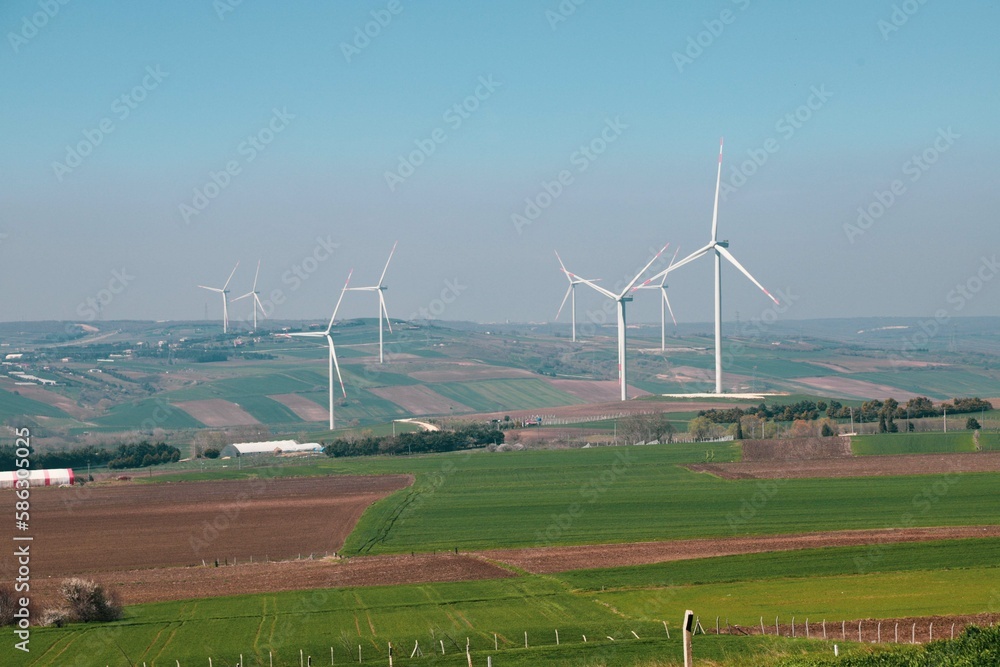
224 291
256 298
664 303
570 294
332 360
721 249
621 298
380 288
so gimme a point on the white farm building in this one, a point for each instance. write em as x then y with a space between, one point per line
52 477
274 447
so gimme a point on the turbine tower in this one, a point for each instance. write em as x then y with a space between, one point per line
256 298
570 294
332 360
621 298
721 249
224 291
380 288
664 303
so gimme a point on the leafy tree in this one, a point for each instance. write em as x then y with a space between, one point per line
700 428
972 424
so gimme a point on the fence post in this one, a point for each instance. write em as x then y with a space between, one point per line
930 633
557 636
793 626
843 630
897 633
688 618
777 632
762 625
525 639
716 625
859 631
824 629
807 627
913 634
878 639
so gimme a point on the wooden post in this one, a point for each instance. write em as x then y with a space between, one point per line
633 634
584 639
843 630
897 634
331 656
495 647
777 632
557 636
952 630
878 637
807 627
930 633
526 639
359 653
688 656
824 629
301 663
859 631
390 654
793 626
716 625
442 646
913 634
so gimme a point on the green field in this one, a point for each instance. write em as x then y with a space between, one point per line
911 443
14 405
510 394
156 410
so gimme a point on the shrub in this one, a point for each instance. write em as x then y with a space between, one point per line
88 601
211 453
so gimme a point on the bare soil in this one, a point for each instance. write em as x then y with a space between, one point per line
858 466
594 391
842 386
122 526
794 449
303 408
217 412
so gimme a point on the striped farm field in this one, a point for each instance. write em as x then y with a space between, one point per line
912 443
505 394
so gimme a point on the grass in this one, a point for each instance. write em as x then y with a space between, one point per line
840 597
911 443
156 410
13 405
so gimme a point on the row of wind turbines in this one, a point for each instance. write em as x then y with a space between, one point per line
720 249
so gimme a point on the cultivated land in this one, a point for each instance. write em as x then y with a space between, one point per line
914 534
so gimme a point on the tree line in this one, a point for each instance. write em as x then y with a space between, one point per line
466 436
134 455
870 411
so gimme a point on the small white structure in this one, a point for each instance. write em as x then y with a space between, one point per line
275 447
50 477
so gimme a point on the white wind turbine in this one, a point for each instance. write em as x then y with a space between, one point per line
224 291
664 303
256 298
570 294
721 249
622 298
332 360
380 288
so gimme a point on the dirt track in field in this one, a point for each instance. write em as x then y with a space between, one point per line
303 408
857 466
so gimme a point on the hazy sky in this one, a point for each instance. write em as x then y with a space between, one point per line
148 146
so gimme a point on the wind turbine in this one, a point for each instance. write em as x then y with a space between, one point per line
721 249
621 298
570 292
380 288
224 291
664 303
256 298
332 361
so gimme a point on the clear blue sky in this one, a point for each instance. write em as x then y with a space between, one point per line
199 79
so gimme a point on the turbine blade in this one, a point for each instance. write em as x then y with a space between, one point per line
563 267
569 290
728 255
231 275
255 276
242 297
588 283
258 303
715 212
212 289
333 354
687 260
671 310
382 277
669 266
337 307
381 300
628 288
